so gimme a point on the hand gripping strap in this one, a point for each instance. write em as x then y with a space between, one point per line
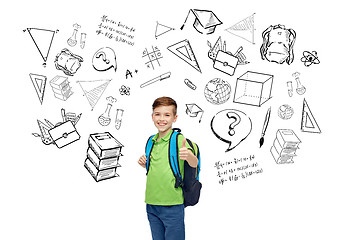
149 147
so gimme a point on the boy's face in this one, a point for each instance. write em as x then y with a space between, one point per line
163 118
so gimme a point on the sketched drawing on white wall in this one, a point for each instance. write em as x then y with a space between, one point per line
93 90
308 121
152 57
205 21
310 58
184 51
244 29
68 62
42 39
104 59
61 88
39 83
162 29
253 88
217 91
231 126
284 146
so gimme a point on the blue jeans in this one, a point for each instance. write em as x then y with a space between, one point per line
167 222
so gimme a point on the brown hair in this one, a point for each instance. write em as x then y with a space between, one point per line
164 101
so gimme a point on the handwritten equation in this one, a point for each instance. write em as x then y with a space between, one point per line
116 30
237 169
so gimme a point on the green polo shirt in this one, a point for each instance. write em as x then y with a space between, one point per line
160 185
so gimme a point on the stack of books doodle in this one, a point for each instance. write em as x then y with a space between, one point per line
60 87
285 146
103 154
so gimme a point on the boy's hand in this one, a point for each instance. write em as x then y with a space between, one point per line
142 161
184 152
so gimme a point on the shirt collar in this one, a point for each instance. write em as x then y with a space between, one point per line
165 138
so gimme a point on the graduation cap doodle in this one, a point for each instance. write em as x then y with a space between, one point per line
205 21
193 110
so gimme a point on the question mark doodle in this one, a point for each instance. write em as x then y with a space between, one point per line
237 120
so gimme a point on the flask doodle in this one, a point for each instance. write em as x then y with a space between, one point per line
231 126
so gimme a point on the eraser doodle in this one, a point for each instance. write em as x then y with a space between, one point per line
231 126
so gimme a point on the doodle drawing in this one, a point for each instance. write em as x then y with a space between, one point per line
60 87
310 58
190 84
300 89
104 59
68 62
231 126
124 90
253 88
72 41
278 43
119 118
193 110
308 121
154 56
244 29
104 119
266 122
156 79
205 21
39 83
285 112
162 29
285 146
44 130
102 158
184 51
217 91
42 39
93 90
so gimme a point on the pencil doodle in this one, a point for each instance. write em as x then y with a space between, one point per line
205 21
266 122
193 110
278 43
224 60
61 88
217 91
190 84
162 29
119 118
231 126
310 58
300 89
129 73
42 39
285 112
72 41
68 62
39 83
184 51
116 30
104 59
253 88
93 90
62 133
156 79
102 156
308 121
124 90
285 146
153 56
244 29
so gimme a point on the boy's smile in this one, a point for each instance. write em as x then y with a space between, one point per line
163 118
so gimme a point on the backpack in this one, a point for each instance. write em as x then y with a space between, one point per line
189 183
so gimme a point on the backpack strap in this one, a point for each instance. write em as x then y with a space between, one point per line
195 148
173 157
149 147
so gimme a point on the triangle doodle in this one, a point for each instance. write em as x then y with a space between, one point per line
162 29
39 83
93 90
308 121
244 29
184 51
42 39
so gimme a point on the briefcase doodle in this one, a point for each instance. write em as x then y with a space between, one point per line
225 62
64 134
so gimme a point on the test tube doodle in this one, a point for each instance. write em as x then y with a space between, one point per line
118 118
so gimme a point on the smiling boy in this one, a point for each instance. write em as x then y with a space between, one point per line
164 202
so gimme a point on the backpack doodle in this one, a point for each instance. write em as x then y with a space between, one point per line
190 184
278 44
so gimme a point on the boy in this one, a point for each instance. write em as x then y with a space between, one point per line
164 202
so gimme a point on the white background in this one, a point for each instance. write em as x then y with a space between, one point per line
46 193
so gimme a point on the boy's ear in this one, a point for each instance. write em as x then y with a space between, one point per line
175 118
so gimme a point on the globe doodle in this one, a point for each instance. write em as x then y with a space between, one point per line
217 91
